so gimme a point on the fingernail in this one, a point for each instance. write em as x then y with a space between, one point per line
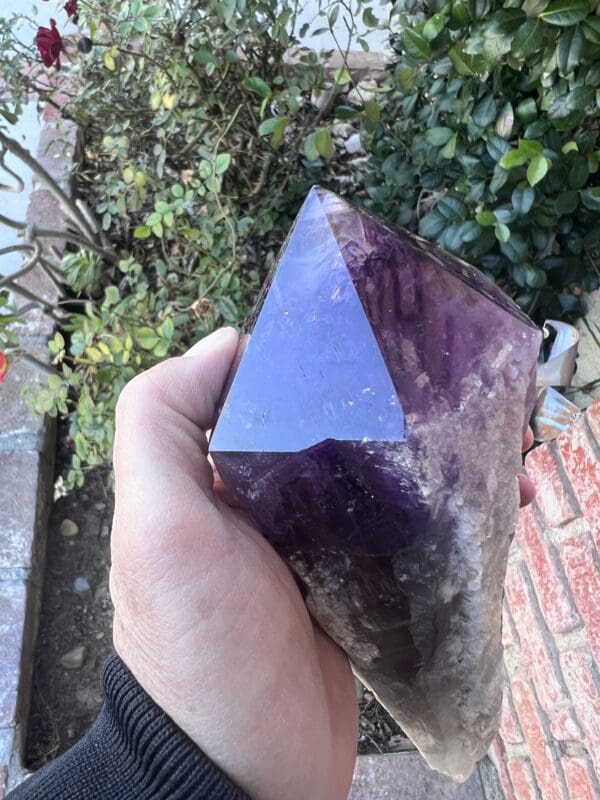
214 338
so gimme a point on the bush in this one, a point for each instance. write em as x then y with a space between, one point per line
199 140
488 142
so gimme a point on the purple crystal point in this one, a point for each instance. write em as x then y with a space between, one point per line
373 431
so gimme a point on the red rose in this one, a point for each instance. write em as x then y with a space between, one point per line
49 43
72 10
3 366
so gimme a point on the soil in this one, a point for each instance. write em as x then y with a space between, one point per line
65 702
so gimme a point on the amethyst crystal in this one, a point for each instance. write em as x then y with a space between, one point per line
373 431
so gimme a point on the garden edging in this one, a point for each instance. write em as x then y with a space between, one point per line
27 448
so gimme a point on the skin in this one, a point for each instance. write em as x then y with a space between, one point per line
207 617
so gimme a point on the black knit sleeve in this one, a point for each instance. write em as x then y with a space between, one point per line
132 752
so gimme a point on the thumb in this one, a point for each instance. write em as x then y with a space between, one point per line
163 413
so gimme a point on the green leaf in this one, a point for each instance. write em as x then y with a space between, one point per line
576 100
324 143
439 136
279 133
431 225
369 19
515 249
415 45
466 64
111 293
460 12
535 277
591 29
569 147
591 198
258 86
452 209
502 232
154 219
523 199
341 76
222 163
505 122
405 77
538 169
310 147
146 338
486 219
528 40
449 149
484 112
372 115
167 329
526 111
434 26
109 61
570 49
530 148
141 232
268 126
565 12
345 112
579 173
275 126
567 202
161 348
512 159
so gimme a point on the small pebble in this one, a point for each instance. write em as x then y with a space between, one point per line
363 92
354 145
81 585
342 129
99 506
100 635
104 531
68 528
74 658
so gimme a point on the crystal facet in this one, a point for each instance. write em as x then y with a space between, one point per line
373 431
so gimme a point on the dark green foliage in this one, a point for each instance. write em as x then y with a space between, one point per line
488 141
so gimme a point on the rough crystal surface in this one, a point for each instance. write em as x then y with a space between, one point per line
373 431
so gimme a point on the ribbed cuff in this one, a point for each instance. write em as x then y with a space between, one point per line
134 751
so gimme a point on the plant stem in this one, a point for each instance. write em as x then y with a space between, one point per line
67 204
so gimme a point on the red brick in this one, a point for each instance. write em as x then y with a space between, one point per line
556 606
509 638
523 782
583 469
579 780
542 758
498 756
509 726
592 416
542 671
580 678
551 495
564 728
578 558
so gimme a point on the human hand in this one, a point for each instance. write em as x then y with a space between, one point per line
208 618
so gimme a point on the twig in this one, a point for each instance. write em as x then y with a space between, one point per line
67 204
